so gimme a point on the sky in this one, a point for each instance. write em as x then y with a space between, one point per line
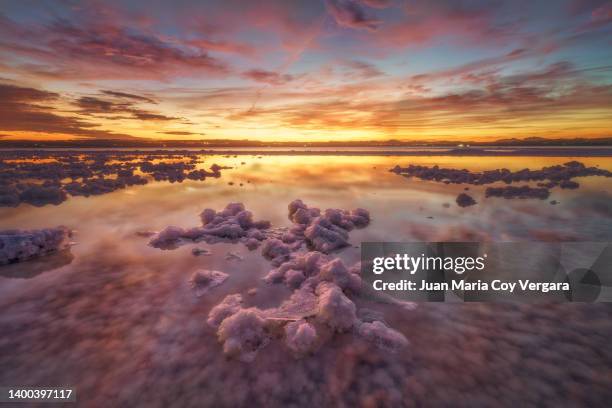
306 70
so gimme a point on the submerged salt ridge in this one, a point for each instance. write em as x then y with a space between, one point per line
323 287
42 178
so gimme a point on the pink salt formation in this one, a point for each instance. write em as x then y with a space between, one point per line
319 308
243 334
321 304
45 177
546 178
21 245
301 336
554 174
231 224
320 231
323 231
202 281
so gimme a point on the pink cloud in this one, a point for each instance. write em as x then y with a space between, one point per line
104 49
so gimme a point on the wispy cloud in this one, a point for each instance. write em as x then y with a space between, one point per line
126 95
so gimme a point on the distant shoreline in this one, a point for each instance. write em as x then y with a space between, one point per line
227 144
524 151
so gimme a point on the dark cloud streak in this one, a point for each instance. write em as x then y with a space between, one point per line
25 109
140 98
351 14
90 105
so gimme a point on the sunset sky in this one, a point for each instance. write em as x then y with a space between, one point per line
309 70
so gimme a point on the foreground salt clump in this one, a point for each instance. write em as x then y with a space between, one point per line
276 250
328 231
21 245
229 306
234 223
300 336
204 280
382 336
244 334
324 232
334 308
321 304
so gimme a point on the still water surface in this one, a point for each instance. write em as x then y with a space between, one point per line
117 319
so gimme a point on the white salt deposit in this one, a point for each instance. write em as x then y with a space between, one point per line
21 245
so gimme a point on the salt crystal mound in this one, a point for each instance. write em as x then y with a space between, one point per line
465 200
229 306
243 334
42 178
322 286
233 224
21 245
324 232
320 306
300 337
315 265
202 281
382 336
276 250
546 178
334 308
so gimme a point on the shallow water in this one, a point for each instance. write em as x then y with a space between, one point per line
117 319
